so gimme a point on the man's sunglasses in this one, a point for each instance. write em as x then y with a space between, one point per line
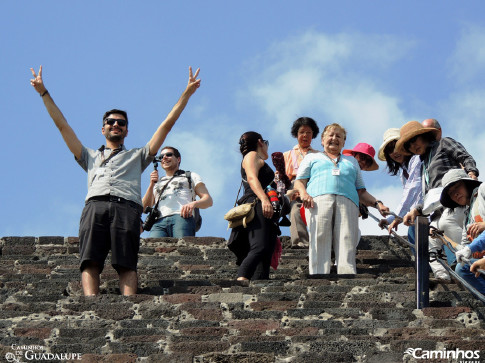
111 122
168 155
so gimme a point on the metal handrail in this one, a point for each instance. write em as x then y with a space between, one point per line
439 234
470 288
422 261
393 232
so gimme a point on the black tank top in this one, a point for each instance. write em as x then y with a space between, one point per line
265 177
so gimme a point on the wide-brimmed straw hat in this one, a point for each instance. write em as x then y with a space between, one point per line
408 131
366 149
389 136
451 177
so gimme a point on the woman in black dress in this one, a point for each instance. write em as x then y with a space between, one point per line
254 245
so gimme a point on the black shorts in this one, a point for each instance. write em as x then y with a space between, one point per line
109 223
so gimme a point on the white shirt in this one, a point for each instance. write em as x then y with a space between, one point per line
176 194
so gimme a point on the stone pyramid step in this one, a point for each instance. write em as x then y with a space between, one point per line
190 308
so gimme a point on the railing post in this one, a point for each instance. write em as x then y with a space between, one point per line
422 262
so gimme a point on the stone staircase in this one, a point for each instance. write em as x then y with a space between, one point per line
191 309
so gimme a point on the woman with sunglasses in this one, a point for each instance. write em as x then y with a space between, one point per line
331 187
409 169
255 244
437 156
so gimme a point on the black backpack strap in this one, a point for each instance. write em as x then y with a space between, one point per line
188 175
163 189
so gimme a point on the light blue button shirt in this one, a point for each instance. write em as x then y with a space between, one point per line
318 169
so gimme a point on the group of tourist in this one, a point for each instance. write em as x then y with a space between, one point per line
326 196
328 184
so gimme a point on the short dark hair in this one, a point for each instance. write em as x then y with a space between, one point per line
175 151
115 110
304 121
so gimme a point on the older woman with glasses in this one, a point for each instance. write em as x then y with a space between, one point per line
330 185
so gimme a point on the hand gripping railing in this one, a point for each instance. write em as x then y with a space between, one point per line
452 246
423 257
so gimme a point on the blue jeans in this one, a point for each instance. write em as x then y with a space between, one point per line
173 226
450 255
464 272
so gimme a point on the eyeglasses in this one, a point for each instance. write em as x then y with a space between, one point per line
266 142
168 155
111 122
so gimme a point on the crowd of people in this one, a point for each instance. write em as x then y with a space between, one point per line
326 194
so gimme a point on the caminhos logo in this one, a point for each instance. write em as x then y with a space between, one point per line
464 356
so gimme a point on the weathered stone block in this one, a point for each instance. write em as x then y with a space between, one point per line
445 313
51 240
276 347
254 325
15 241
273 305
181 298
199 347
40 333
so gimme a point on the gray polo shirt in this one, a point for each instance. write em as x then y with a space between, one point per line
120 176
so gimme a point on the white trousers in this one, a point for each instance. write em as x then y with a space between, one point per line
332 222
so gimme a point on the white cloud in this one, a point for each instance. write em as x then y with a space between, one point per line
468 60
331 78
465 111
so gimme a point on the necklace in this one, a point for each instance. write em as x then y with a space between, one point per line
335 170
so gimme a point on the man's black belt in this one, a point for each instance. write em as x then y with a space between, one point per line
113 198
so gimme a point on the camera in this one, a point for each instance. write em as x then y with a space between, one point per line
153 215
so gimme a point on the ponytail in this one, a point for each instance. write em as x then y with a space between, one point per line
249 142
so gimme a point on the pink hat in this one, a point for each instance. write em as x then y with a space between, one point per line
366 149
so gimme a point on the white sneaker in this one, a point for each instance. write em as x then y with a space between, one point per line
439 271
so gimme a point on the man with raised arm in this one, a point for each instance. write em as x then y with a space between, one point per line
111 217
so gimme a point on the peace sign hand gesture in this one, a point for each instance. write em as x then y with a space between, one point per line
193 83
37 81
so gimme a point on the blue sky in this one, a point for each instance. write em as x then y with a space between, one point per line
368 65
